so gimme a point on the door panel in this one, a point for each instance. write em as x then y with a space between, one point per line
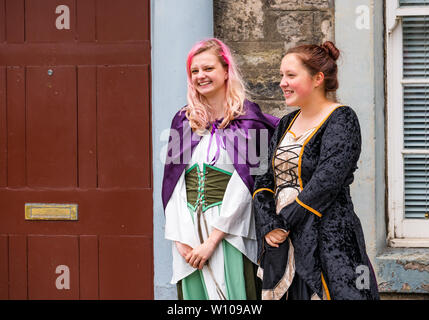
51 127
18 267
88 260
4 272
114 212
15 18
126 13
75 129
16 164
2 18
87 129
53 266
120 257
86 28
123 107
3 128
41 17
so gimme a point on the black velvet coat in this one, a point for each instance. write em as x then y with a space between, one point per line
325 231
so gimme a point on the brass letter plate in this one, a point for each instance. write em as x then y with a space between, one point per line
50 211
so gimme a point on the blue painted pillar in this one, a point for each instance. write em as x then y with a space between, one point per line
176 26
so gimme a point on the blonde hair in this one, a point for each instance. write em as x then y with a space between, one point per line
198 110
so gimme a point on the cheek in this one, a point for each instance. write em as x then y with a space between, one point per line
220 77
219 80
194 81
303 87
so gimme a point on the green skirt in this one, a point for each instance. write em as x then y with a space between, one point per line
240 279
206 189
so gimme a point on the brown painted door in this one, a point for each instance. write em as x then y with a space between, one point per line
75 150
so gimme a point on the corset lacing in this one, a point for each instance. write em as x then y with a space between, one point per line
286 178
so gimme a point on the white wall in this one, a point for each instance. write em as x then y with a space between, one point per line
359 36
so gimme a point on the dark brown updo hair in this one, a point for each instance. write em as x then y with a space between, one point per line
320 58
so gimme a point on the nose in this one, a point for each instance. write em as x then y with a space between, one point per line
200 74
283 83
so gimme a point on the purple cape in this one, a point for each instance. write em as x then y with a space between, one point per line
183 142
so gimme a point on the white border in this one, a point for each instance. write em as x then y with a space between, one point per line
401 232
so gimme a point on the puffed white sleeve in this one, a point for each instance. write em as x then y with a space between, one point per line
178 220
179 227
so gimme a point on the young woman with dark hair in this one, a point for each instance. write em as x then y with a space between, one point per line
310 241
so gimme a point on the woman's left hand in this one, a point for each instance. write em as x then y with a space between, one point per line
200 254
275 237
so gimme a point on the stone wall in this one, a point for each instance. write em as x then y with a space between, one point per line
260 31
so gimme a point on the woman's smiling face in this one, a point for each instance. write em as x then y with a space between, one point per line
297 84
207 74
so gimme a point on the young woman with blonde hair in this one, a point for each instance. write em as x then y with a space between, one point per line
208 179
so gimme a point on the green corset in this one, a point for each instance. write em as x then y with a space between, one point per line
205 188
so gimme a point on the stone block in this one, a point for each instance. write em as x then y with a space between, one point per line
263 84
300 4
259 32
323 28
295 28
239 20
260 55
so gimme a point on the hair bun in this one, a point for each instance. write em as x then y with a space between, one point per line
331 50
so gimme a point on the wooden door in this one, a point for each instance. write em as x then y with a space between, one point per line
75 150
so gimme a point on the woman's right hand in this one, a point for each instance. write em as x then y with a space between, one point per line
183 249
275 237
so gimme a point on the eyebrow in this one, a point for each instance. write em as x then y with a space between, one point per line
204 66
288 70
